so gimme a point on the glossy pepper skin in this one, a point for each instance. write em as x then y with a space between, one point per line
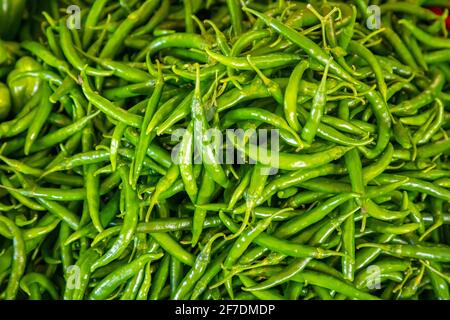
22 89
11 12
94 119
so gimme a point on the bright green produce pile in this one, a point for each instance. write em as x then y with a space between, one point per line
93 205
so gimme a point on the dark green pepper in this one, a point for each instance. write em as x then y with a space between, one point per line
11 12
23 88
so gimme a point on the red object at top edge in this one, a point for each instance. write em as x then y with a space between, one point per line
440 11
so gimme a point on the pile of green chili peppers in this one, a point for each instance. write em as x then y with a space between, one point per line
104 105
